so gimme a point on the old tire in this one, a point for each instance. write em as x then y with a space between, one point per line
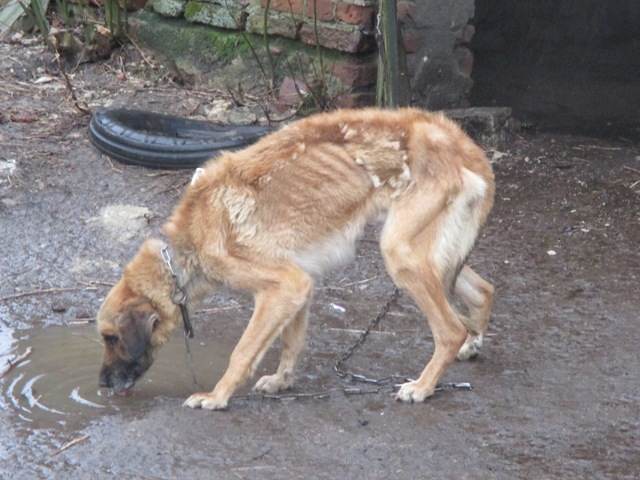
161 141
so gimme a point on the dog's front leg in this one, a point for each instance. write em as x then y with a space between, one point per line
275 308
293 339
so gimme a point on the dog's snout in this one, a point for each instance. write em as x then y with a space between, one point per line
105 380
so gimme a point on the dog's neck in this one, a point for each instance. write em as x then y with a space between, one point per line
148 275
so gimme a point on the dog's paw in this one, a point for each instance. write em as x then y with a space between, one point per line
471 348
207 401
410 392
272 384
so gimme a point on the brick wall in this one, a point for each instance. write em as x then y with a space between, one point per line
435 37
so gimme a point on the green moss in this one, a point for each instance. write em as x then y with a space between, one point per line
227 45
192 9
222 57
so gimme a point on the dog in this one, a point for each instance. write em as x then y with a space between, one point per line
271 218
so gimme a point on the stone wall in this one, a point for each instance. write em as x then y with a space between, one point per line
435 36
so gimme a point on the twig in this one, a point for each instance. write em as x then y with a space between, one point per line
218 309
44 291
272 69
261 455
360 282
70 444
12 362
250 45
173 187
113 167
85 321
82 109
101 283
144 58
631 169
582 147
195 109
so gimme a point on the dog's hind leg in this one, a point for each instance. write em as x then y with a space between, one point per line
293 339
477 295
281 292
426 238
411 267
412 272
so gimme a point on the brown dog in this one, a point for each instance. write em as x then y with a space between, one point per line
270 217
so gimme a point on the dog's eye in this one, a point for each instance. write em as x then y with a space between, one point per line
110 340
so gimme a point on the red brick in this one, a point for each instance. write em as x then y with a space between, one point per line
289 6
355 74
324 9
337 37
355 14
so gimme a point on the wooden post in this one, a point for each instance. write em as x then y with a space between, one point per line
388 92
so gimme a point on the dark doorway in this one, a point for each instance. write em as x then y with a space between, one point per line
561 64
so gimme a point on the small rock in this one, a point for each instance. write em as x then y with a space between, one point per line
8 166
123 222
292 91
242 116
59 307
338 308
551 253
497 155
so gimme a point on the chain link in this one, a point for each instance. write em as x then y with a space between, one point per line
339 366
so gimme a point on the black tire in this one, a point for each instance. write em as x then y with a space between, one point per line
161 141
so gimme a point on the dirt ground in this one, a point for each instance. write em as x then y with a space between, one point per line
556 391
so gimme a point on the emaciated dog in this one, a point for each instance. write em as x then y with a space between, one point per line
272 217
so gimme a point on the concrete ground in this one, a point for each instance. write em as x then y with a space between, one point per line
556 391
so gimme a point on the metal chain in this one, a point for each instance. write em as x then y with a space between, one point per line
189 361
339 365
356 377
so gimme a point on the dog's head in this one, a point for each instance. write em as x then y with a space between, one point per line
127 324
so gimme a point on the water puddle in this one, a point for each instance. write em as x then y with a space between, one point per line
57 385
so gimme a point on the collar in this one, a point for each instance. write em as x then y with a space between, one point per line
179 294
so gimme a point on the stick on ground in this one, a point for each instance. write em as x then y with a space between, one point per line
43 292
12 362
70 444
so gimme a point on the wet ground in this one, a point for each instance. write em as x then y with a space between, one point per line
556 391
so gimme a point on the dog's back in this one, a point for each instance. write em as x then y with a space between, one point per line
306 191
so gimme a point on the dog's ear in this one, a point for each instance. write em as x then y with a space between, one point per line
136 328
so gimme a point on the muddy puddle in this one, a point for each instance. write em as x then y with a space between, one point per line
57 385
